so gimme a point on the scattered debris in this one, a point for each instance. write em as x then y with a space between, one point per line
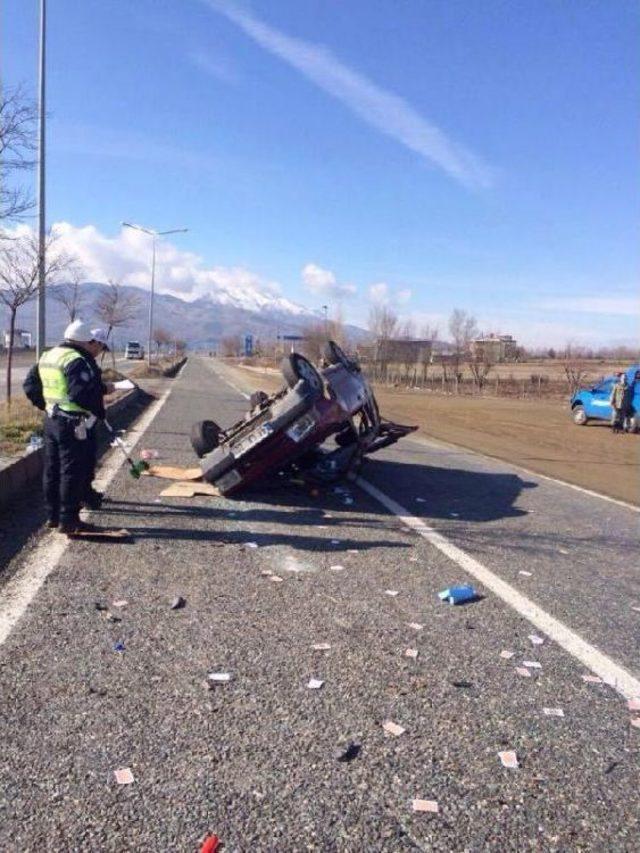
119 646
633 704
124 776
425 806
250 544
189 490
507 655
458 594
321 647
210 844
178 603
523 672
553 712
635 722
266 573
148 454
466 685
100 607
536 640
393 728
391 592
509 759
315 684
121 602
337 568
411 653
524 574
592 679
111 617
220 677
275 578
563 551
637 609
532 664
353 551
414 560
416 626
348 753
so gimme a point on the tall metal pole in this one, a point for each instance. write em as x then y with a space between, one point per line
325 308
153 284
41 332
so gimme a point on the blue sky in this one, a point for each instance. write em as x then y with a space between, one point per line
431 153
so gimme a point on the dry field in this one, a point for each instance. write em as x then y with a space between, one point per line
535 434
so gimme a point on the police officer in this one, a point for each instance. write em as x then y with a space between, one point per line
67 384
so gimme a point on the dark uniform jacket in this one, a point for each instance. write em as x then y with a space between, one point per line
84 379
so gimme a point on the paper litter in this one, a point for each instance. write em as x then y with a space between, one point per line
592 679
411 653
275 578
525 574
124 776
553 712
416 626
391 592
425 806
532 664
536 640
393 728
315 684
523 672
321 647
507 655
121 602
337 568
220 677
509 759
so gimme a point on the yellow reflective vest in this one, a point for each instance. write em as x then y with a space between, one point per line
55 387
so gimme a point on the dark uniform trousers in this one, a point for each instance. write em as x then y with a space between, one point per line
68 468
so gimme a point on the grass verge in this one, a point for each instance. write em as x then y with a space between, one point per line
18 421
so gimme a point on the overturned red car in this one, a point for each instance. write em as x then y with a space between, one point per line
287 431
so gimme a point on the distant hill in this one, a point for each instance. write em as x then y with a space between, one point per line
201 323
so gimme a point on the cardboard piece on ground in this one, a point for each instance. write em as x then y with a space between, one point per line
101 533
509 759
425 806
124 776
189 490
393 728
172 472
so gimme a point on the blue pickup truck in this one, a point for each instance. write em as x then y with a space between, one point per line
593 403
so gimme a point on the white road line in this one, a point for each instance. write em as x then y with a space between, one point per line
460 448
20 591
229 383
610 672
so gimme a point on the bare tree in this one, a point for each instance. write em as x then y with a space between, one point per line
383 325
69 295
115 307
19 278
480 366
231 345
575 369
18 117
462 328
429 333
161 338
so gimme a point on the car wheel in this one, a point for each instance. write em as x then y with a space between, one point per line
579 416
296 367
205 437
258 399
334 354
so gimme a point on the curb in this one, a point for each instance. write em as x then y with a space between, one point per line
27 469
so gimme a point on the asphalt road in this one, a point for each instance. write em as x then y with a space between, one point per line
254 759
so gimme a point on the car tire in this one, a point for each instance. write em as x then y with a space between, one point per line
257 399
579 415
205 437
296 367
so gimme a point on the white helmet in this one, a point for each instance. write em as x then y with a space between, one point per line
100 335
78 331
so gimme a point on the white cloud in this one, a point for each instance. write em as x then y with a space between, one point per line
628 306
379 293
324 283
126 258
383 110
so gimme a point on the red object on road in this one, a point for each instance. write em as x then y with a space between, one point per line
210 844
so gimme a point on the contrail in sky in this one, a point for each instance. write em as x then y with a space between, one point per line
387 112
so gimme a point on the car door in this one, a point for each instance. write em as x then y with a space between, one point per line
597 402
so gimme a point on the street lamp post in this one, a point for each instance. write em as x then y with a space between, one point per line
154 235
41 305
325 308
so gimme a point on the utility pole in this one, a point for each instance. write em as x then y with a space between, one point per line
41 308
154 234
325 308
